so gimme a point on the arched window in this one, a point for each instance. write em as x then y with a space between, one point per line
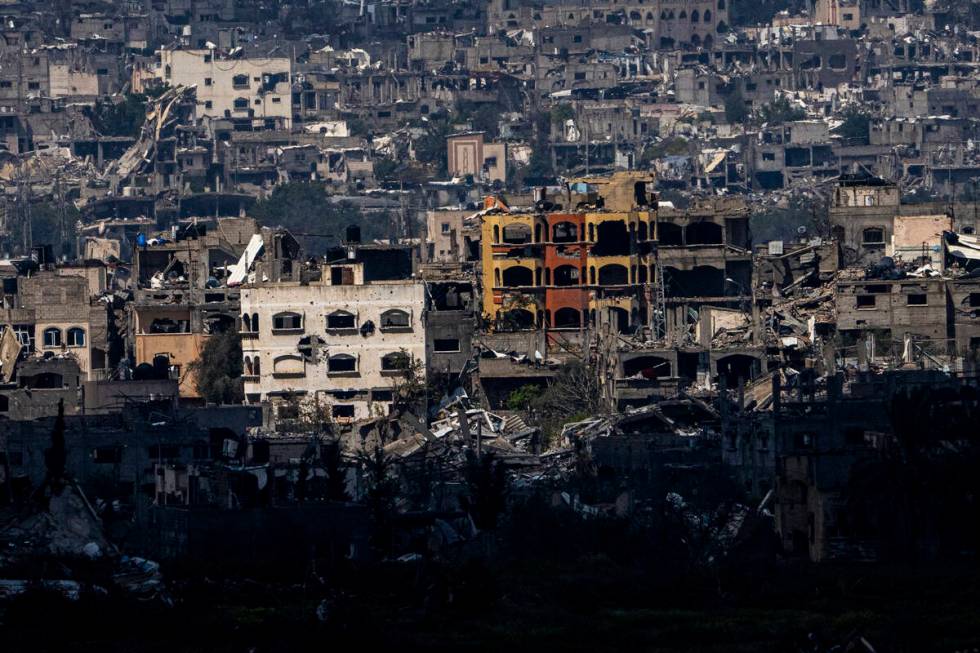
517 234
683 14
567 318
256 366
613 239
241 102
721 5
695 16
396 361
707 15
288 365
395 318
496 233
565 232
287 321
341 363
649 16
566 275
248 366
52 337
240 81
255 322
613 275
341 320
635 15
663 15
517 276
76 337
870 236
246 323
515 319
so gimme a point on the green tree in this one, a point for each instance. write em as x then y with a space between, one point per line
856 126
218 370
385 169
357 127
573 395
562 112
779 111
46 227
523 397
120 118
304 208
735 110
484 117
676 146
430 148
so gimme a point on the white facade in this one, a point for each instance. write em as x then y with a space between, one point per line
325 345
260 89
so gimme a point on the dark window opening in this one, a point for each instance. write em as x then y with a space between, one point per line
343 411
395 362
565 232
341 276
612 239
107 455
873 236
395 319
567 318
566 275
341 320
287 321
517 234
342 363
518 276
613 275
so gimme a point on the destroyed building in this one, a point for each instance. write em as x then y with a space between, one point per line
336 335
182 297
558 268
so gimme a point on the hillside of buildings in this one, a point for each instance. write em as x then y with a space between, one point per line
475 324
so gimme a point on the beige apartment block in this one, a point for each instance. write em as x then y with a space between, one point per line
258 91
336 346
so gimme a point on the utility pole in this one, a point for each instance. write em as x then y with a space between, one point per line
660 301
24 212
63 231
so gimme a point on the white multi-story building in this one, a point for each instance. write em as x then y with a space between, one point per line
257 91
338 342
